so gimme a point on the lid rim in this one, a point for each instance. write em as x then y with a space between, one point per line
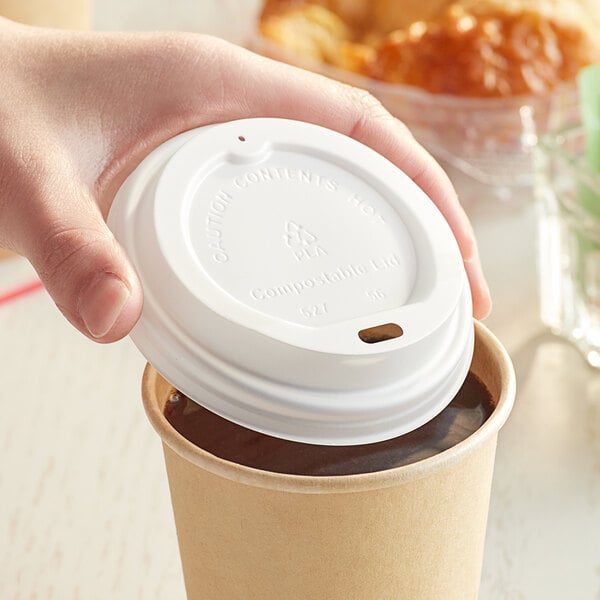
252 400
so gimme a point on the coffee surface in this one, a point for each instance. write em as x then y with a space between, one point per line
463 416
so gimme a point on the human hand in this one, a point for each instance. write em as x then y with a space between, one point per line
80 110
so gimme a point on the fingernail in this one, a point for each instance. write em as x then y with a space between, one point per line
101 303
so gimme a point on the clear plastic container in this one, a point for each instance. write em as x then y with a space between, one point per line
490 139
569 241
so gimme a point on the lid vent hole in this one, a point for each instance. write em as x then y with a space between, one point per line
241 138
380 333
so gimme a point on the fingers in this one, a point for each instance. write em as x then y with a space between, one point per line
48 209
277 90
482 300
80 263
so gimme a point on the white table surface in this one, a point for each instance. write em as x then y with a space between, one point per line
84 502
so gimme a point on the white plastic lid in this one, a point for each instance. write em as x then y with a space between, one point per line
270 253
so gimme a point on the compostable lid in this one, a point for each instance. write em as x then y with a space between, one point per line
295 282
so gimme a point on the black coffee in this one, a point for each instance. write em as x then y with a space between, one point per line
463 416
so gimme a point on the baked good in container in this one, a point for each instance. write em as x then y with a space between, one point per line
464 48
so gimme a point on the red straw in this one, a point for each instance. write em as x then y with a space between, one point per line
22 290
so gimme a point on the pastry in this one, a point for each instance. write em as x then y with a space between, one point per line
467 47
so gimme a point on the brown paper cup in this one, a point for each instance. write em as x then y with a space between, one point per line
414 532
67 14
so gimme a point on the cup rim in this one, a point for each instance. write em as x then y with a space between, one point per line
338 483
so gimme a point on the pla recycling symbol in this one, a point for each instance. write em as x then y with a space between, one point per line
302 242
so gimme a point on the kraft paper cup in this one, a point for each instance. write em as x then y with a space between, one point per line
65 14
415 532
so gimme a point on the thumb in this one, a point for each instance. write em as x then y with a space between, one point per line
82 266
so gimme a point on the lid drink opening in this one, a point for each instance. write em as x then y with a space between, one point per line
380 333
